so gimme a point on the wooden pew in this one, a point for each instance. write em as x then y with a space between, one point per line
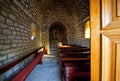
22 75
74 54
62 49
73 50
69 46
77 71
72 70
69 56
70 66
12 64
73 57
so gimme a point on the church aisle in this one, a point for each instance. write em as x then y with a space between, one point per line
48 71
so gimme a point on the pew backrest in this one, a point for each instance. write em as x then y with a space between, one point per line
22 75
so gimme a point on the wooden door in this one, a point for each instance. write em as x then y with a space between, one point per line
105 40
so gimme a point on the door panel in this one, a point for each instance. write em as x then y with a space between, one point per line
111 35
107 15
118 62
118 7
107 59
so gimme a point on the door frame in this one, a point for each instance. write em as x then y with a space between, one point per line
95 40
105 40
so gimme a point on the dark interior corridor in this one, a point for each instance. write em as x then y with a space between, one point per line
30 27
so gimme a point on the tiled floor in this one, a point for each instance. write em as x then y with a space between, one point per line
48 71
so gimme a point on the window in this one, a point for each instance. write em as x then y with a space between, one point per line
33 30
87 29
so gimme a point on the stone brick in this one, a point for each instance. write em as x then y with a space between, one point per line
2 36
18 37
21 26
3 57
11 37
12 28
9 22
15 24
12 50
4 13
13 17
2 25
20 41
2 19
15 41
7 42
19 44
1 42
11 55
18 33
6 31
13 7
0 30
4 47
7 61
5 51
14 45
14 32
16 57
18 29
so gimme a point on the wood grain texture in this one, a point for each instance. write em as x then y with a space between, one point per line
107 59
104 22
106 12
118 63
110 38
95 39
74 59
118 7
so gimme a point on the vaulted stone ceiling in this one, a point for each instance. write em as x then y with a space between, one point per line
39 7
43 6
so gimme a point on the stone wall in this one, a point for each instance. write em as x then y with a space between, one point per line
70 13
60 15
47 13
15 37
16 17
80 16
74 19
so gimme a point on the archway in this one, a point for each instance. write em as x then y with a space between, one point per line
57 34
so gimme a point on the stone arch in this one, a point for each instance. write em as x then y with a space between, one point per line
57 34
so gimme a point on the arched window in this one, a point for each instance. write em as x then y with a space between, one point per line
33 30
87 29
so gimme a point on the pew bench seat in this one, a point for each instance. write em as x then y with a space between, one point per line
74 55
69 59
72 66
73 50
74 62
22 75
76 70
